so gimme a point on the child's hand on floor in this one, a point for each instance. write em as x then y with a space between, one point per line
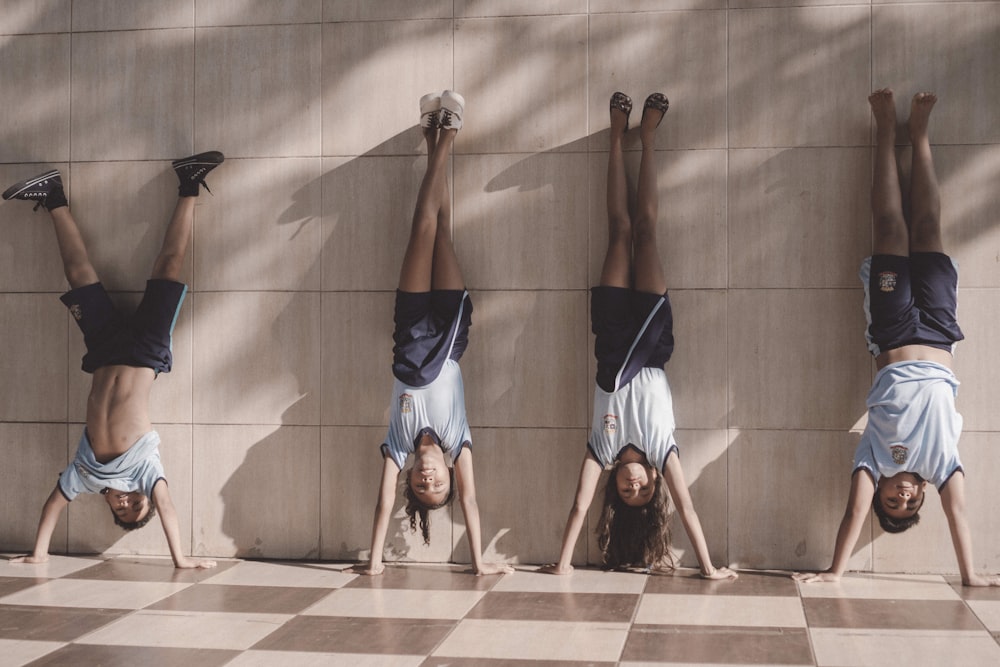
980 580
194 564
813 577
30 559
721 573
367 569
493 568
553 568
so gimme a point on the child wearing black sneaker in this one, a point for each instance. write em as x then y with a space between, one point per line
433 314
118 454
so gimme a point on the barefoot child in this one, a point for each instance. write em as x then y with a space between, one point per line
433 315
910 301
633 427
118 454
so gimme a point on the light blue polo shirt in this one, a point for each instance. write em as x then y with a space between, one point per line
640 414
913 425
439 406
138 469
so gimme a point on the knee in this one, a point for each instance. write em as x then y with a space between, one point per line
645 231
620 227
168 266
80 274
891 240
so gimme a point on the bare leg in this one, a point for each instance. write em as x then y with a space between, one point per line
170 262
76 262
889 226
446 272
648 266
416 273
925 197
618 258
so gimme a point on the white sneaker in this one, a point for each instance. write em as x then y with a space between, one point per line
452 110
430 111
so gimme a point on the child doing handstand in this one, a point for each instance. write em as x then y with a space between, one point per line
118 454
432 319
910 302
633 422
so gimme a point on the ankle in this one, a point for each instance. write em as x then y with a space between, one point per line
56 199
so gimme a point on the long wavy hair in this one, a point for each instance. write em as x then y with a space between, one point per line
415 508
635 536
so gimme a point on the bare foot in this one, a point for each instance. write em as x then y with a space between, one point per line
920 113
884 109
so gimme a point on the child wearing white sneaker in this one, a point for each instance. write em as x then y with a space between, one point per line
432 319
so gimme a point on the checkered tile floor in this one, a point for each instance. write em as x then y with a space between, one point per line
135 611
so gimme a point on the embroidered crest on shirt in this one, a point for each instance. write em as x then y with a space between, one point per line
76 311
899 454
610 424
887 281
405 404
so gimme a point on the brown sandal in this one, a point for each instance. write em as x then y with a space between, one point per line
623 103
659 102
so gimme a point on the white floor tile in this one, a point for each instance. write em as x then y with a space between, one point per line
526 640
94 594
298 574
187 629
743 610
390 603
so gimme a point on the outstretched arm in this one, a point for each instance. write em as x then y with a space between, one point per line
50 517
383 512
860 499
590 473
171 529
470 508
673 475
953 502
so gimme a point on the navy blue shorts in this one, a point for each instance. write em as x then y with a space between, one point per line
431 327
112 338
634 330
912 301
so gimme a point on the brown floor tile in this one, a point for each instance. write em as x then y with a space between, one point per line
749 583
493 662
576 607
427 578
698 644
129 656
357 635
10 585
881 614
248 599
147 569
52 623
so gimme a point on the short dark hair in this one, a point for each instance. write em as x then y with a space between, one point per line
415 507
133 525
892 524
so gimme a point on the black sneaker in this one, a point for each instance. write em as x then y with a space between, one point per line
37 188
192 170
